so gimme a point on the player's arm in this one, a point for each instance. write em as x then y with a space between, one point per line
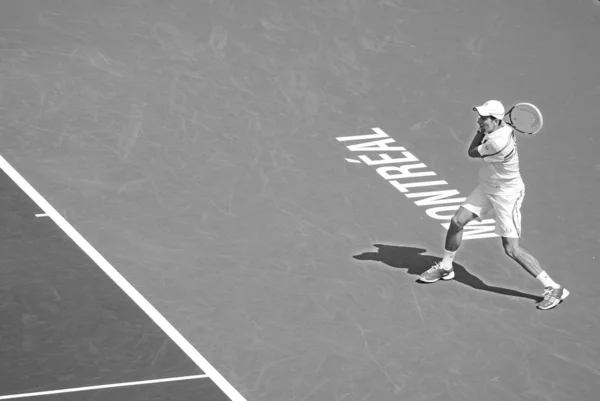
475 144
487 149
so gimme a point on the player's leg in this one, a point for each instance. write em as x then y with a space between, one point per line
508 215
461 218
475 206
524 258
554 293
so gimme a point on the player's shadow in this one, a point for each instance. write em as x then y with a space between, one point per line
415 262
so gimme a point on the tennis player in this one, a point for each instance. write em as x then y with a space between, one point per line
501 191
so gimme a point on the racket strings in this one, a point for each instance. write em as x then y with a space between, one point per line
525 118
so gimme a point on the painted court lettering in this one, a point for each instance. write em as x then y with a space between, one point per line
404 187
375 146
436 197
386 159
434 212
404 171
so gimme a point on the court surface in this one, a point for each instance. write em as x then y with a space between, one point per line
183 220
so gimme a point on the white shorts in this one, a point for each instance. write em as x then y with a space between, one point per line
506 206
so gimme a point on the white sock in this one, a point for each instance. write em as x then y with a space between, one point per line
546 280
448 259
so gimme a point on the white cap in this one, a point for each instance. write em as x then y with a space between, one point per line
491 108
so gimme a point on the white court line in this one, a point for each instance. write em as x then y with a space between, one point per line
101 387
41 215
130 290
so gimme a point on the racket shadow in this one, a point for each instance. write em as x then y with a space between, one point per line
416 262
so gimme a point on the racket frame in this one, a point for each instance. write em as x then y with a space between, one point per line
511 123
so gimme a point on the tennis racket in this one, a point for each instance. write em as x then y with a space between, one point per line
525 118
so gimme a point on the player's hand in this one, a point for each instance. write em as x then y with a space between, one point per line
480 134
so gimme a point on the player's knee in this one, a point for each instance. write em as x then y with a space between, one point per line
458 222
511 249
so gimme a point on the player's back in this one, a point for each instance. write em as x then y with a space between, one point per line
500 170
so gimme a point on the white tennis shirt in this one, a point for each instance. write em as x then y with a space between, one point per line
500 171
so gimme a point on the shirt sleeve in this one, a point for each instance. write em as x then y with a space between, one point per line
488 148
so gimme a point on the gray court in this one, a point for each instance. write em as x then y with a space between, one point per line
193 144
